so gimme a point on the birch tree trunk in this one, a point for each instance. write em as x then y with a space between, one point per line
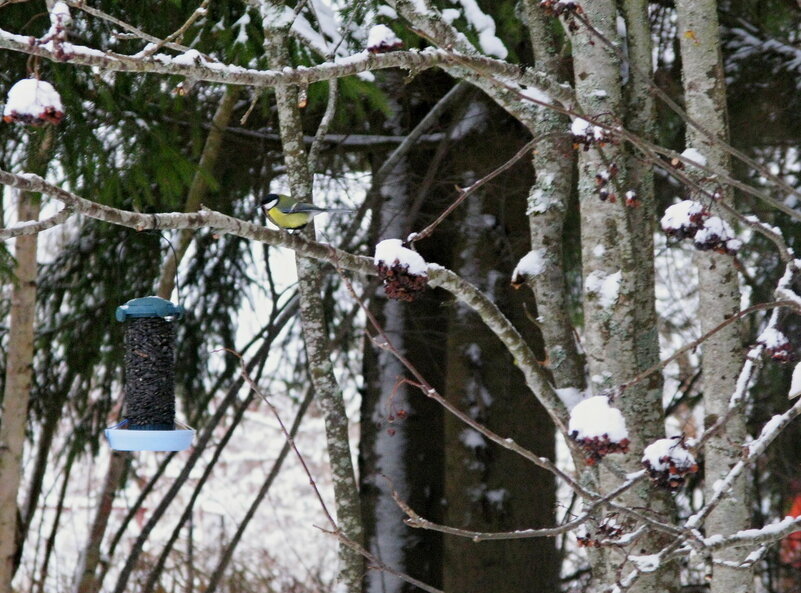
719 293
19 365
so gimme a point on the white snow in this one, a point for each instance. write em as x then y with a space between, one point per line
570 396
450 14
605 286
594 417
391 251
387 11
60 14
661 452
485 27
32 97
795 383
381 36
472 439
535 94
580 127
678 216
694 155
772 338
531 264
647 563
241 24
189 58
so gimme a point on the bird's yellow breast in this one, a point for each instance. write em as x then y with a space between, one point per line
293 220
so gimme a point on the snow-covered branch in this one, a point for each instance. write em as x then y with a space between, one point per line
31 227
750 537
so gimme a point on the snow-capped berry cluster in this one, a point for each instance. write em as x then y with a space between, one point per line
532 264
669 462
598 428
690 219
602 179
382 39
565 8
684 219
717 235
776 345
632 199
402 270
34 102
586 134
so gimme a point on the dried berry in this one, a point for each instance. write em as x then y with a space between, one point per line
684 219
399 284
776 345
669 462
596 448
402 270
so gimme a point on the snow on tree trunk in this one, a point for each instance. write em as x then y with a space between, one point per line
547 209
719 294
401 429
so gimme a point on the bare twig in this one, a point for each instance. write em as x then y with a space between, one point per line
465 192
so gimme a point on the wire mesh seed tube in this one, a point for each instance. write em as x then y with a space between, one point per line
150 374
149 383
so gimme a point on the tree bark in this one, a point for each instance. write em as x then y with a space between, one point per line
19 365
719 292
486 488
617 343
318 351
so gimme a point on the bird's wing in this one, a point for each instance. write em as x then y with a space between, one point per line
302 207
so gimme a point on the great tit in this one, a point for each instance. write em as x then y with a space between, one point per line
288 213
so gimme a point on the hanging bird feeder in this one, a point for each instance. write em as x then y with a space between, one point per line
149 423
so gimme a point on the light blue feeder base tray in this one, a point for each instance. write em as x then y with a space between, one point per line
122 439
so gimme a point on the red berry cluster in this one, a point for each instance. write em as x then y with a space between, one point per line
716 238
689 227
48 115
596 448
385 47
595 136
602 180
673 477
779 351
399 284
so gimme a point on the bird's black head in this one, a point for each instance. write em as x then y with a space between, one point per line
269 201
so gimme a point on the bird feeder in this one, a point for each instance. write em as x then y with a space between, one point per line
149 423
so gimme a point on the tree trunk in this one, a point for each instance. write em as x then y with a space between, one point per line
401 442
719 292
318 350
487 488
19 366
618 271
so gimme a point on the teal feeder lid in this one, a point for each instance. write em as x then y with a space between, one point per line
151 306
